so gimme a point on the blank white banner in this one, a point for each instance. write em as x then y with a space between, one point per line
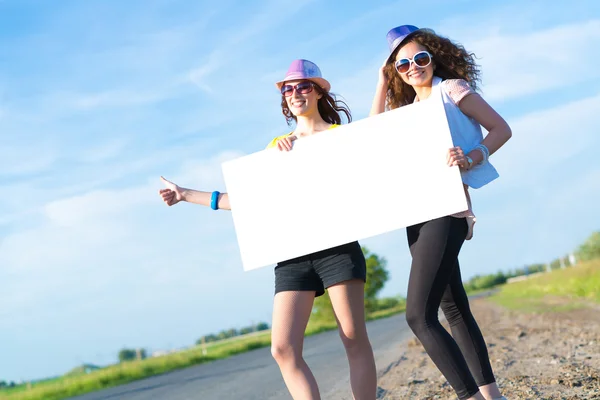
359 180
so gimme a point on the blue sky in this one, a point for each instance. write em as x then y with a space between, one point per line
100 98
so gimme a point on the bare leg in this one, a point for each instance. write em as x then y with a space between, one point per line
478 396
348 301
491 391
291 311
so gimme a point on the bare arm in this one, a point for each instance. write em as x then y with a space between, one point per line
378 105
203 198
173 194
499 132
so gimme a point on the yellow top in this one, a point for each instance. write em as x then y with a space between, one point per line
273 142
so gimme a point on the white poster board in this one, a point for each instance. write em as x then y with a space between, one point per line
359 180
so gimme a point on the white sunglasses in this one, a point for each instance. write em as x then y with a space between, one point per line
422 59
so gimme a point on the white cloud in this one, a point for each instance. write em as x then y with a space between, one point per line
544 203
534 224
110 149
546 139
113 67
88 239
233 45
117 98
94 206
24 159
199 76
80 231
100 169
513 64
114 253
344 32
516 64
203 173
358 89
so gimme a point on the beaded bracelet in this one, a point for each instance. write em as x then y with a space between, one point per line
484 150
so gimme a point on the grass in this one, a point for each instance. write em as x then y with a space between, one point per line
475 292
130 371
119 374
387 313
560 290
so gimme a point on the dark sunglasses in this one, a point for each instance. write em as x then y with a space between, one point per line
421 59
304 87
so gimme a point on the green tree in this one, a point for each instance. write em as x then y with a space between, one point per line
377 276
322 309
262 326
207 338
232 332
536 268
126 355
211 338
131 354
246 330
555 264
590 249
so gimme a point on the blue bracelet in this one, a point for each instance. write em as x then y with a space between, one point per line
484 150
214 200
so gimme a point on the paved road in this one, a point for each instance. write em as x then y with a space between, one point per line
255 375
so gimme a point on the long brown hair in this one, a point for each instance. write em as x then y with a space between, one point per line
330 108
450 59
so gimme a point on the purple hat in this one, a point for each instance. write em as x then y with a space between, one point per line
397 35
304 69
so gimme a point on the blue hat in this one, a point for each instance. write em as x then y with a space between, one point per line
397 35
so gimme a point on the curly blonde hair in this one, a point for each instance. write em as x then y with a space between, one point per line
451 61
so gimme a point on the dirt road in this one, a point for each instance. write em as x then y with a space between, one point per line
554 355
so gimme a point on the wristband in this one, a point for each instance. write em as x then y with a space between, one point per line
214 200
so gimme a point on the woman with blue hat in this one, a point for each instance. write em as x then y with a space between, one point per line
306 100
423 65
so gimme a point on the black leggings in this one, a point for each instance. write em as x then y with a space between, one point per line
435 280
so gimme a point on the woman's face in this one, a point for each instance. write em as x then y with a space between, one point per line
415 76
301 97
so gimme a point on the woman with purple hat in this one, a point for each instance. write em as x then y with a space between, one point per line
423 65
306 100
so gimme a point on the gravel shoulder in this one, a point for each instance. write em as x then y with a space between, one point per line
548 355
